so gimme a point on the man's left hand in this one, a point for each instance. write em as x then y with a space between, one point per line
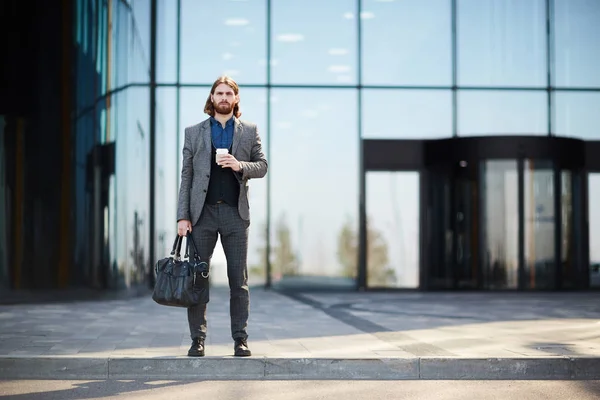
229 161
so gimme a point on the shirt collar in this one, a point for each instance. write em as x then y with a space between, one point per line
229 122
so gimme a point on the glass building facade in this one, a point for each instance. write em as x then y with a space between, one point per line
333 86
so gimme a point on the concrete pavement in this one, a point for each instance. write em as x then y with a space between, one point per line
392 335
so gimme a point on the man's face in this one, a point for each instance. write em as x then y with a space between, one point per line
224 99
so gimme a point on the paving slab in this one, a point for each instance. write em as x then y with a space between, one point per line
356 335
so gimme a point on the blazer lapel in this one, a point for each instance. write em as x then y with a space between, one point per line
237 136
205 134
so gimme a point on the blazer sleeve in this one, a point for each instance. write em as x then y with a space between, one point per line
187 174
257 166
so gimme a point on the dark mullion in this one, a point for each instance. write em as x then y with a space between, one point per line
361 278
268 266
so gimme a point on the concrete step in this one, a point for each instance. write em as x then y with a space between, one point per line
268 368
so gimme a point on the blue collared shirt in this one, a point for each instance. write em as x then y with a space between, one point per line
222 138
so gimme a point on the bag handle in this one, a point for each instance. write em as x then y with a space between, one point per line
190 238
204 265
176 250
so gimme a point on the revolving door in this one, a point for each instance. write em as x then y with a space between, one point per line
495 213
505 217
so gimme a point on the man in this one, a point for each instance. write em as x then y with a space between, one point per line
213 199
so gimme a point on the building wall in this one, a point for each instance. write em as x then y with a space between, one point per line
315 83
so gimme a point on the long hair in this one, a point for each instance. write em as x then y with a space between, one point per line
209 107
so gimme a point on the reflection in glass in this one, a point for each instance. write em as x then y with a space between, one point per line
501 43
568 277
441 224
139 50
410 114
121 45
539 224
594 226
314 47
577 48
166 41
393 229
166 171
464 220
253 105
576 114
499 202
4 283
314 181
406 42
127 208
217 40
84 142
483 113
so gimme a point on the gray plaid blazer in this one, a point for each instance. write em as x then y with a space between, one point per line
195 169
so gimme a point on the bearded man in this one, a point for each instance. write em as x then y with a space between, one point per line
220 155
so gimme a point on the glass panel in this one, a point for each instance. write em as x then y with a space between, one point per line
166 42
84 142
85 61
465 220
406 114
482 113
121 44
217 40
577 114
315 206
568 278
4 277
594 227
500 211
440 225
502 43
139 54
393 229
128 214
166 170
253 105
576 43
311 47
406 42
539 225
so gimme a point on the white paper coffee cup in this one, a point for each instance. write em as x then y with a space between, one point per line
220 153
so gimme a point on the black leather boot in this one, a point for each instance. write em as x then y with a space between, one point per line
241 348
197 349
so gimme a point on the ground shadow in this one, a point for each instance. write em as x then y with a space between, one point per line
94 389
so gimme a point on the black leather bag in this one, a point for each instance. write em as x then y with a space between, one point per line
181 282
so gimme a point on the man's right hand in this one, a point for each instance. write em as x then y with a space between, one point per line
183 227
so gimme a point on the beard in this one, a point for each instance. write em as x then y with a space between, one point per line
223 108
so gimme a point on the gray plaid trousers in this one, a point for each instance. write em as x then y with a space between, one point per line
222 219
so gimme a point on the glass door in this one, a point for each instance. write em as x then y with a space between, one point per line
540 225
453 227
393 233
466 227
499 191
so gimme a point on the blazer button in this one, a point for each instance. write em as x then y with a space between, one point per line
208 176
204 190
